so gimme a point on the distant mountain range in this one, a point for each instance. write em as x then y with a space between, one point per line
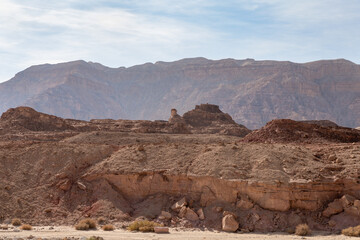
252 92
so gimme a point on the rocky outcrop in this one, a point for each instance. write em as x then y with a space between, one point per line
286 130
252 92
208 118
25 118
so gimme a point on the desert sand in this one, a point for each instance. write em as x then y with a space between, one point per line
175 234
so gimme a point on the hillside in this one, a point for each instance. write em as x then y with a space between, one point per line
57 171
252 92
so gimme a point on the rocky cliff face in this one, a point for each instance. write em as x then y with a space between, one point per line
253 92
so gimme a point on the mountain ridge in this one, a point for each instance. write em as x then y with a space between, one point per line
253 92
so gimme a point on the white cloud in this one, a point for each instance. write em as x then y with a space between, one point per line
129 32
113 36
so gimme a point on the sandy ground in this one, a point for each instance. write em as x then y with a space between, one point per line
61 232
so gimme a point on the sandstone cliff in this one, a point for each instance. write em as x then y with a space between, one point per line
253 92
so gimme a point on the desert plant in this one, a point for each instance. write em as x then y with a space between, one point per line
95 238
143 226
302 230
352 231
82 226
16 222
101 220
141 148
26 227
86 224
108 227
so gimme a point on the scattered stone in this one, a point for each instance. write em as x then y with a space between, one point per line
200 213
332 157
229 223
81 185
357 203
244 204
218 209
229 213
182 212
64 184
165 215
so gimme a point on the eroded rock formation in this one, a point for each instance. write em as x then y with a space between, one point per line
117 170
286 130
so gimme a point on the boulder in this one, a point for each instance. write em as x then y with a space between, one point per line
333 208
200 213
161 229
179 204
229 223
191 215
188 213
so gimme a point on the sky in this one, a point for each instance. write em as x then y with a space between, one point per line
130 32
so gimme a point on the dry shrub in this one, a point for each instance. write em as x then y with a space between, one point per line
26 227
16 222
302 230
143 226
108 227
141 148
352 231
101 220
95 238
86 224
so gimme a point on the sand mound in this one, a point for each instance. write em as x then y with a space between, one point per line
286 130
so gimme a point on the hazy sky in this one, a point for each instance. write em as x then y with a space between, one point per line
130 32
